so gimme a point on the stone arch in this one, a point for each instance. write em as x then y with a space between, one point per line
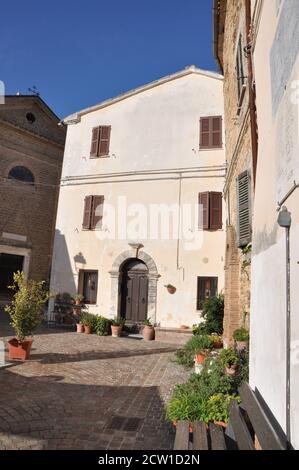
153 277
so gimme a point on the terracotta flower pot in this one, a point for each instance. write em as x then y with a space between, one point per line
148 333
116 330
87 329
80 328
218 345
171 289
19 349
200 358
231 370
221 423
241 345
175 423
78 302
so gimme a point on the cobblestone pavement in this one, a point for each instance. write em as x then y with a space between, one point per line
82 391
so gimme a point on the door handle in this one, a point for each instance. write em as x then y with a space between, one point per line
128 300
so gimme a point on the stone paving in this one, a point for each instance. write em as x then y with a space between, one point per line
82 391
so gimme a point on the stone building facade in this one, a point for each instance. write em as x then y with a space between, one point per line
31 153
232 51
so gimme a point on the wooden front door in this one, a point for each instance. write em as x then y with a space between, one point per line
134 293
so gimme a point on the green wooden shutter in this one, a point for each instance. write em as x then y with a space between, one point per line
244 216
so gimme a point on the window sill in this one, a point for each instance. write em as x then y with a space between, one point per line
93 230
209 149
98 157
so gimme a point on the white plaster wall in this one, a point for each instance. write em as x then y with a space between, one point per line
155 130
278 167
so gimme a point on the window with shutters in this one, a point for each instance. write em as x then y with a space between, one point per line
244 210
210 210
207 287
93 213
100 141
210 132
88 285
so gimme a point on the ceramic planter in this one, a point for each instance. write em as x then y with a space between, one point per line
148 333
171 289
19 349
199 358
231 370
80 328
241 345
87 329
116 330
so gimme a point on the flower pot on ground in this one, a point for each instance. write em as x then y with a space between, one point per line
217 341
19 349
78 299
230 361
203 345
89 322
117 327
80 328
241 337
148 331
26 312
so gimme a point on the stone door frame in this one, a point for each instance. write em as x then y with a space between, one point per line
153 277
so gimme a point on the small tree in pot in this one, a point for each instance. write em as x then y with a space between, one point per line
202 345
230 361
116 327
148 331
26 312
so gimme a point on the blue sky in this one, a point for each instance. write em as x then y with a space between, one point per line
80 53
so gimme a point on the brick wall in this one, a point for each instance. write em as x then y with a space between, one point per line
28 210
239 159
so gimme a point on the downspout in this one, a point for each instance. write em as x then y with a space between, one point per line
252 95
179 229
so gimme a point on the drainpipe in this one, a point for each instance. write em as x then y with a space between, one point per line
179 228
251 87
284 220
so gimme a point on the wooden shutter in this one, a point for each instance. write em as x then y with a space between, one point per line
203 210
214 286
215 210
87 213
244 225
95 142
97 212
216 136
205 132
104 140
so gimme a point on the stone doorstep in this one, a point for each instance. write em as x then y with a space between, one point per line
173 335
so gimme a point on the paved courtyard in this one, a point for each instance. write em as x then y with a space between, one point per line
87 392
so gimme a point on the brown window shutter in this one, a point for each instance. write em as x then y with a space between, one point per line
216 132
104 142
205 130
203 210
215 210
87 212
95 142
244 216
97 212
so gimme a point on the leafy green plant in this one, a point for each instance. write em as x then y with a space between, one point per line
103 326
118 322
213 312
185 404
147 322
229 357
27 307
217 407
88 319
79 297
195 345
242 334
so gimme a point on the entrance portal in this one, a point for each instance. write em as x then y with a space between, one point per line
9 264
134 290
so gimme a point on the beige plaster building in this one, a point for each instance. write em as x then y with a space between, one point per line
139 229
31 152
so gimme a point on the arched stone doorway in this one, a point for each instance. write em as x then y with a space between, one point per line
133 290
117 278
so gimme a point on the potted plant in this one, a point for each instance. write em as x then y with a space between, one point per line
203 345
88 321
26 312
116 327
80 327
217 341
217 408
229 360
241 337
78 299
148 331
171 289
